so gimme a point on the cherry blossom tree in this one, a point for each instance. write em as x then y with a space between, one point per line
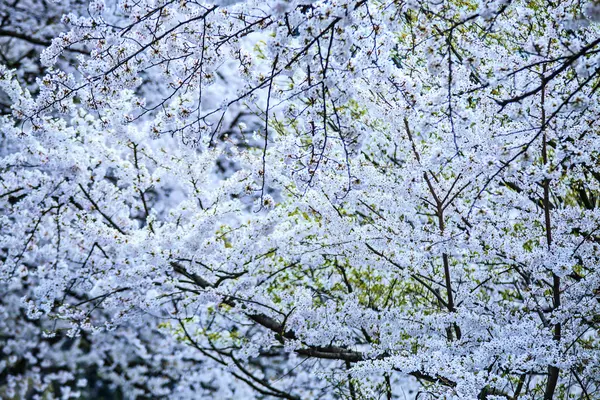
300 199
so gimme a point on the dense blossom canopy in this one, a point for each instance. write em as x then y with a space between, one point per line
300 199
